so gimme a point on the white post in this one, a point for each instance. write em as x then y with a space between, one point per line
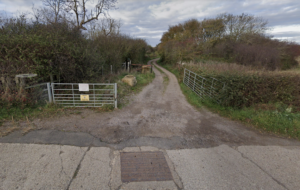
111 69
49 92
194 82
116 96
53 98
184 76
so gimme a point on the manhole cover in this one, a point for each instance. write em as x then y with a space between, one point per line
144 166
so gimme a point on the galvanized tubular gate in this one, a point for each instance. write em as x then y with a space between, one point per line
203 87
96 94
40 91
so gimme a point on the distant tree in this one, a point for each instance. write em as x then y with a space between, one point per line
238 25
84 16
106 27
211 29
54 8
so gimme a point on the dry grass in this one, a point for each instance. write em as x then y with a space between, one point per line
214 67
7 130
15 126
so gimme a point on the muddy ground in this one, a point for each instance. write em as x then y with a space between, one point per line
161 112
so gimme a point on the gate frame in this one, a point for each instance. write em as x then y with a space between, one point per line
101 84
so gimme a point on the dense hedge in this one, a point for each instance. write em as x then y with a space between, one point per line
60 49
248 88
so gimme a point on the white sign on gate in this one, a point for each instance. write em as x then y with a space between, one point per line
84 87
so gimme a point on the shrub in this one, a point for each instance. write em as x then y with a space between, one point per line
246 87
61 49
232 38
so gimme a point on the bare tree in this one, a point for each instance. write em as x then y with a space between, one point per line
105 27
52 12
236 25
56 7
84 16
109 26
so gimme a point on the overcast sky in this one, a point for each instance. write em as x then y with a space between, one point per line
148 19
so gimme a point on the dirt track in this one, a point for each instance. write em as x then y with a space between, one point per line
162 112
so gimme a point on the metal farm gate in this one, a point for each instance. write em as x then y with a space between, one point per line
40 92
203 87
84 95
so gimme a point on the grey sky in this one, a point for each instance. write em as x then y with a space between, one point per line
148 19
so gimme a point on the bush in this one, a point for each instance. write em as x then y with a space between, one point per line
246 87
61 49
248 90
232 38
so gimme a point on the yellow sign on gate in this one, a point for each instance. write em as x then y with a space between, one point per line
84 98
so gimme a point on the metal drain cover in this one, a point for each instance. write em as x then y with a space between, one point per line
144 166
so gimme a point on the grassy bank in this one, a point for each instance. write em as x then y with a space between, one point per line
19 112
273 117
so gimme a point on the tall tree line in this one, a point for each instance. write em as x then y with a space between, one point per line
235 38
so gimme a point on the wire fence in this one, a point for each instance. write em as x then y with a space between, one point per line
203 87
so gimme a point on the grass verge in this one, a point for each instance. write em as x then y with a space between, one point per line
165 77
124 90
276 118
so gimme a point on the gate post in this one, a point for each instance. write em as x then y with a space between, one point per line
53 98
184 76
116 101
49 92
194 82
189 79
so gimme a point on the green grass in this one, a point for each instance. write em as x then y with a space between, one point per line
158 69
18 112
124 89
275 118
166 78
